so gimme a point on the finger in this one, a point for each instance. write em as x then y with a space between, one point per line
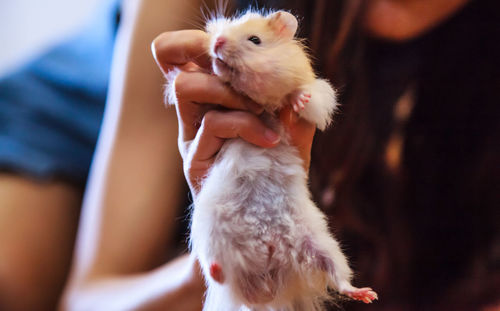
176 48
217 126
194 89
191 67
200 87
301 133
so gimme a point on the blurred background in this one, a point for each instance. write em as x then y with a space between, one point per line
427 217
29 27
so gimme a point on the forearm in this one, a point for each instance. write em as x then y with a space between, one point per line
176 287
136 183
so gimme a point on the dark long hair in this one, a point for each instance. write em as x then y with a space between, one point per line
409 172
412 161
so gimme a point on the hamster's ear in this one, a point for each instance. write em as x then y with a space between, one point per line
284 24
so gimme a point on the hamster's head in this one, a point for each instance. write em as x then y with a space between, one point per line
259 56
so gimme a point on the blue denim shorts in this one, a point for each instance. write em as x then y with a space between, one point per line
51 109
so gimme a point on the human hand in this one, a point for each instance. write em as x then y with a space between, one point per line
301 133
203 125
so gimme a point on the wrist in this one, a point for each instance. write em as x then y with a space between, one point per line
195 281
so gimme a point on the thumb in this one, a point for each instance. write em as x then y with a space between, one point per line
301 133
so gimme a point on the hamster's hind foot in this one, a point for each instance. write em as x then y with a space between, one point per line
365 294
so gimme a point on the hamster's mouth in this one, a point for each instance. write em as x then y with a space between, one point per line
223 66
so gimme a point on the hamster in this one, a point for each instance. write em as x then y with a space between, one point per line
261 241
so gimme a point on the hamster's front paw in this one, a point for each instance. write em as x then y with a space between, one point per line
299 100
315 102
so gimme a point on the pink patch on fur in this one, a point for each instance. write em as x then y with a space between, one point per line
216 273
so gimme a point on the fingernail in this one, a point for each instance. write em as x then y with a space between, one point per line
271 136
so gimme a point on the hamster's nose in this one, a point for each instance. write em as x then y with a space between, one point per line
219 43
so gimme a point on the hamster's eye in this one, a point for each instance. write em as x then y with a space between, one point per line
254 39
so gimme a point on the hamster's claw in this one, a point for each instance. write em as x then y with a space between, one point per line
301 99
365 294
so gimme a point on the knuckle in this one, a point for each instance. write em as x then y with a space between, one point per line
241 123
157 44
161 46
210 119
205 84
191 85
179 85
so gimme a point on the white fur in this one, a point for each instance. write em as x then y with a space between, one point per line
266 73
322 105
252 199
254 215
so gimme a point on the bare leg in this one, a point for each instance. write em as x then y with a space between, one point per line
38 224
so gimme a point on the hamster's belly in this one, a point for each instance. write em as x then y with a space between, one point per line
245 202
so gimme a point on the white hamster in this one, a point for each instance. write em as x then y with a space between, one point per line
260 239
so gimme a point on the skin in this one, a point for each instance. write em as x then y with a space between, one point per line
136 183
405 19
124 226
38 224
